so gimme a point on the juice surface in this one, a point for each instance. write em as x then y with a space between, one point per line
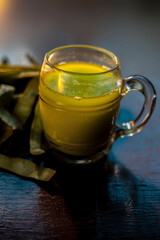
87 81
81 67
79 109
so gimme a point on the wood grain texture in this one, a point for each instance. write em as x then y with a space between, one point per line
118 198
105 201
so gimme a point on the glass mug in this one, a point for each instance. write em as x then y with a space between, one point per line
80 91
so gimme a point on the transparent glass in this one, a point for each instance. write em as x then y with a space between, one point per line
80 92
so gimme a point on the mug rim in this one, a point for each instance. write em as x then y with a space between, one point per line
82 46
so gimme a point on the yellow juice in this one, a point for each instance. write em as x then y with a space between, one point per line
79 111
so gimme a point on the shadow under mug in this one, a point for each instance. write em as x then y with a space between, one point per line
79 108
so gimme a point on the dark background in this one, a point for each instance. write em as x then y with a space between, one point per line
124 203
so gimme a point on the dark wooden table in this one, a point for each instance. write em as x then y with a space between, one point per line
118 198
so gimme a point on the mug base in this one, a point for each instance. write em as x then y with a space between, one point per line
77 150
81 160
77 160
79 156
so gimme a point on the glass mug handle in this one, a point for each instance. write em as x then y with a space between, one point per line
143 85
